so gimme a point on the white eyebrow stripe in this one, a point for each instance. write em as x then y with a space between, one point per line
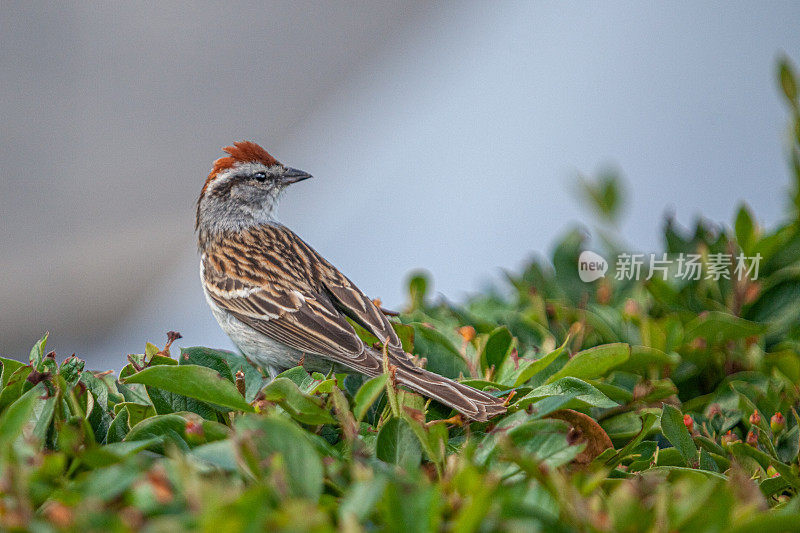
235 170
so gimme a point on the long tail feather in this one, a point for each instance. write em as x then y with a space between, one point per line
470 402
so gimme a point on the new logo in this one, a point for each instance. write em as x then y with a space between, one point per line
591 266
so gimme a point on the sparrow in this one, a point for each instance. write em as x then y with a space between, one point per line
281 303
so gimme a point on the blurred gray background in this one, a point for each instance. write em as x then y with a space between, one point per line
442 136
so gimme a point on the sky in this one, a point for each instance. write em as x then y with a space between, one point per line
446 137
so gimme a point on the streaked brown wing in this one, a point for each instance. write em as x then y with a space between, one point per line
285 304
274 282
348 299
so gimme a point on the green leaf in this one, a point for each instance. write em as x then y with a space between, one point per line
544 441
746 229
565 258
299 376
670 457
273 442
303 407
109 454
717 327
119 427
772 486
442 356
704 443
788 81
221 454
406 334
308 383
150 351
128 414
99 417
160 429
623 426
254 380
619 394
171 428
648 420
537 440
398 445
192 381
9 366
417 289
788 445
677 434
108 483
408 506
569 388
206 357
750 398
157 360
545 406
432 438
43 412
127 370
14 387
675 471
741 450
604 194
540 364
165 402
645 358
594 362
71 370
37 352
497 347
367 395
777 306
18 415
706 462
362 497
136 412
482 384
134 393
366 336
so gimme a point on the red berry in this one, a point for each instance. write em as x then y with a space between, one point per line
729 438
752 437
777 423
194 431
688 422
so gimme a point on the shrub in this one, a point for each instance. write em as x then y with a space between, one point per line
660 404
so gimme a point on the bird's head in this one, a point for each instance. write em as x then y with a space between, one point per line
243 189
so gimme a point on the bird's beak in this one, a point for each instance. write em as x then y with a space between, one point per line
292 175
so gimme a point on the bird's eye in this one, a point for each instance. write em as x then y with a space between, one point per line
260 176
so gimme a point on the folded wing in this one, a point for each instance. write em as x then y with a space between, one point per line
271 280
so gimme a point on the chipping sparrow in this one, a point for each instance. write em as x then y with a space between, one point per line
281 302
